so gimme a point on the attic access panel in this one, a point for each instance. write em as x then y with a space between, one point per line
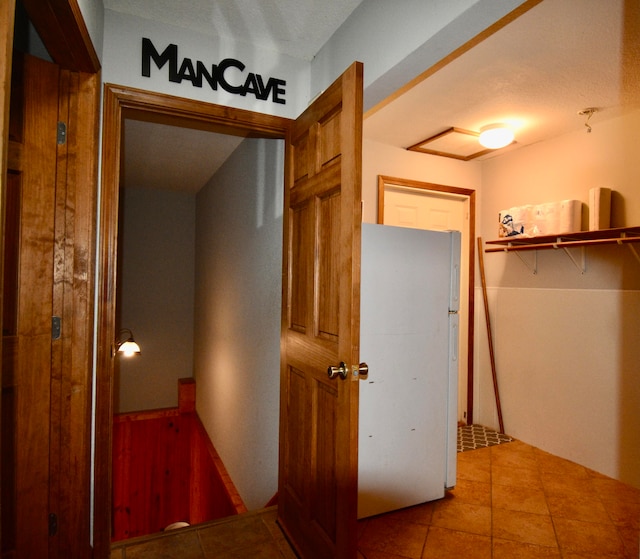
457 143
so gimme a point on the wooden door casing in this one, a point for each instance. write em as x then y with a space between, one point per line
121 102
320 326
73 289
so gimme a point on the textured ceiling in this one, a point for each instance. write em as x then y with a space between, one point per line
172 158
537 73
294 27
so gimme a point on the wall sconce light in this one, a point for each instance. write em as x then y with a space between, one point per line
127 346
495 136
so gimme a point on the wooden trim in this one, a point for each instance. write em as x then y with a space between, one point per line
409 183
73 298
119 103
146 415
186 404
471 194
7 11
187 395
419 147
273 501
63 31
138 104
229 487
474 41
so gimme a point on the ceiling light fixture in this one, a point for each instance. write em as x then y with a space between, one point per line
495 136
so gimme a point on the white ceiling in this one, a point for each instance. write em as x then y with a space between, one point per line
536 73
172 158
294 27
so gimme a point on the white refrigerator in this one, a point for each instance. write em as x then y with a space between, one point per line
410 286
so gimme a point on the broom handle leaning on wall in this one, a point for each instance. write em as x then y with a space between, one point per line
489 336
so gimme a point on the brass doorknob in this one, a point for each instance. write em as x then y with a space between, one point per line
359 371
340 371
363 370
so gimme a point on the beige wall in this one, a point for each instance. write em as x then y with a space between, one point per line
155 296
567 344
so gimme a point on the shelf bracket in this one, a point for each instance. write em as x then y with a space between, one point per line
582 265
532 266
634 251
631 247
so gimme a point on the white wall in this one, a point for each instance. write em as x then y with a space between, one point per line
155 298
122 59
238 294
93 16
399 41
567 344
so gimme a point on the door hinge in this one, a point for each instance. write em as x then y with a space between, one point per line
56 327
62 133
53 524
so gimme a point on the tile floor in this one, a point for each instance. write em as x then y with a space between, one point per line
511 501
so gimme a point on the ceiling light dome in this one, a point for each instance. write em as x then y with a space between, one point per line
495 136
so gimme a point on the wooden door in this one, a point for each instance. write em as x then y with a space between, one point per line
317 486
28 309
48 245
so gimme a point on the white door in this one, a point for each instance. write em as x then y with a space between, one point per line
438 211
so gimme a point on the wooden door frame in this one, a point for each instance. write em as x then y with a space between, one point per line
471 195
119 103
65 36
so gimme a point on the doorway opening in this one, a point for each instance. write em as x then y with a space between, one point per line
422 205
259 131
200 308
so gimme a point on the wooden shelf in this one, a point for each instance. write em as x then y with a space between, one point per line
566 241
621 235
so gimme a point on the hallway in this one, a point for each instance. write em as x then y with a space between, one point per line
511 501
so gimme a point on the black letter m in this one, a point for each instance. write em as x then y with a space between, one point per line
170 55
